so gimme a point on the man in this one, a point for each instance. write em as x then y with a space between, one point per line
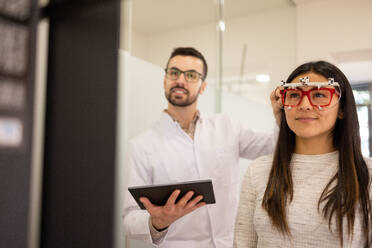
186 145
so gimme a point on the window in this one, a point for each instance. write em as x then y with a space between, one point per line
363 94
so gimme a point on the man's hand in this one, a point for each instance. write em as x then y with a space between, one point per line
276 104
163 216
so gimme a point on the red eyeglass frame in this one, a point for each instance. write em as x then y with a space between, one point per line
307 93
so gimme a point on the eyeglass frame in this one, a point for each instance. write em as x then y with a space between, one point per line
184 75
307 93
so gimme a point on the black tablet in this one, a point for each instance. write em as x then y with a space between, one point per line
159 194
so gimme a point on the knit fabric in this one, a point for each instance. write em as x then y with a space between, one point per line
308 227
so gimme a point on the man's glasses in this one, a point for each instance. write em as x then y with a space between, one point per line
318 97
190 76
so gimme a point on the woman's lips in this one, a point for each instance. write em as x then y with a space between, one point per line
306 119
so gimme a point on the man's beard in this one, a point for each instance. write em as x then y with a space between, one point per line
181 103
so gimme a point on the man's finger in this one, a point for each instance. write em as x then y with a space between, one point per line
277 94
276 98
183 201
148 205
272 95
200 204
173 197
194 201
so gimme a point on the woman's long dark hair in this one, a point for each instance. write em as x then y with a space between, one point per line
348 191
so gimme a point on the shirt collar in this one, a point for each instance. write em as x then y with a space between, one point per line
190 131
194 120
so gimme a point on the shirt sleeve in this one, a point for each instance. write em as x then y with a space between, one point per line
253 144
137 172
245 233
157 237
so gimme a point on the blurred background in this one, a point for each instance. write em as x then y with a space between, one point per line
79 78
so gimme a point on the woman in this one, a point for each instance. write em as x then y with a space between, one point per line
314 191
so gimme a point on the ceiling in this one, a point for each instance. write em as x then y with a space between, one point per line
152 16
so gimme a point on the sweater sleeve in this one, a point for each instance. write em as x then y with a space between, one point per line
245 233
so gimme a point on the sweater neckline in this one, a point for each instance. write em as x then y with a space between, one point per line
316 157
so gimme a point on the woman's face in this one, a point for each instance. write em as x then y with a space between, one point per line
307 121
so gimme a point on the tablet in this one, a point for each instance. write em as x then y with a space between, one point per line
159 194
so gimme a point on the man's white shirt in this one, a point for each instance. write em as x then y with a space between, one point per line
166 154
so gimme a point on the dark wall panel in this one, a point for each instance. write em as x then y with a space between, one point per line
79 169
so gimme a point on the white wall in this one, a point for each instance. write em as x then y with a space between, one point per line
269 35
270 38
140 45
141 100
331 26
160 45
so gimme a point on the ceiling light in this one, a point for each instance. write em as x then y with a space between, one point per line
221 25
262 78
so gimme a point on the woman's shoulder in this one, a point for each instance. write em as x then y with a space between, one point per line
263 160
257 174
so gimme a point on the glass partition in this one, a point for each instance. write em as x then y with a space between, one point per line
248 45
150 31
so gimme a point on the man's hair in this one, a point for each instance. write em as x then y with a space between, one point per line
190 51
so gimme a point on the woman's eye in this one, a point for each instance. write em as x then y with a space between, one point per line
294 95
319 95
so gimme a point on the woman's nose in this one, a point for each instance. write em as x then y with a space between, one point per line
305 103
